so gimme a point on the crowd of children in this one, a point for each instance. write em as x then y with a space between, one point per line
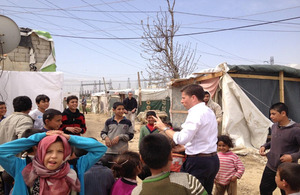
57 160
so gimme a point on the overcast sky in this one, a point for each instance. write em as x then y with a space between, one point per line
85 32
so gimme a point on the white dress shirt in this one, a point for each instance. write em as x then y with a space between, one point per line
199 131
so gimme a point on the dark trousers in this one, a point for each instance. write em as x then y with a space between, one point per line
204 169
268 184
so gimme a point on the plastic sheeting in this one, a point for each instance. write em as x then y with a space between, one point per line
31 84
242 120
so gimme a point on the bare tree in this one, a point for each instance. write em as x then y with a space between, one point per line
166 59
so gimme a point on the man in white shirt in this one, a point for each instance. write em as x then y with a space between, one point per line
198 135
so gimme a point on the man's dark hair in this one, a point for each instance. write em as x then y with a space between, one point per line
41 97
50 113
29 132
79 152
2 103
155 150
206 92
22 104
280 107
194 89
150 113
116 104
71 97
226 140
290 173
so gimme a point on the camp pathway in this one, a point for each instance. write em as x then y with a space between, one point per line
247 185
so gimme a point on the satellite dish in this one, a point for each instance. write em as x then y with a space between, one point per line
9 35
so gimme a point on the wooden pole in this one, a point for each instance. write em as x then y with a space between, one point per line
104 86
281 86
140 89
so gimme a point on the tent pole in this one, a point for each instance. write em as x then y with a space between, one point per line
281 86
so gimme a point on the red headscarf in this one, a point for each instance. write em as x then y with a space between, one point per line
59 181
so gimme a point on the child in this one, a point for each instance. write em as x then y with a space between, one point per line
2 110
155 151
231 167
117 132
178 154
49 173
284 145
42 102
52 119
126 167
15 124
73 121
287 178
149 128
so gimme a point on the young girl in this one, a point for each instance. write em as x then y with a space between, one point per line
126 167
49 172
231 168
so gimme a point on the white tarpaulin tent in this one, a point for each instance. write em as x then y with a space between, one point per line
31 84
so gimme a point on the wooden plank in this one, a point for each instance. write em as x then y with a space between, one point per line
281 86
179 111
250 76
198 79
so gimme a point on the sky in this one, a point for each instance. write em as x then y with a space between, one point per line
86 33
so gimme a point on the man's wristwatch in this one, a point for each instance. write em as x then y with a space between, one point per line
166 128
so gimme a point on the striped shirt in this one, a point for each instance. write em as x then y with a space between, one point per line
230 165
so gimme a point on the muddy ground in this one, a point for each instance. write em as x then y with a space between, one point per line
247 185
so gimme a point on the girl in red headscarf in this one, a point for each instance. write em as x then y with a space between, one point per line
49 173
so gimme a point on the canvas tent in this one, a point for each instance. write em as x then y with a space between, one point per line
245 94
31 84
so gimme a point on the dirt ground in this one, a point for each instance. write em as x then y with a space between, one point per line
247 185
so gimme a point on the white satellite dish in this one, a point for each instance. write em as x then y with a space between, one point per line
9 35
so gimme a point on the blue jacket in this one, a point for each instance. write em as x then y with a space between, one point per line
14 165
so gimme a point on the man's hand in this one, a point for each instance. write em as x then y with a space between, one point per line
286 158
262 151
115 140
178 148
125 111
159 124
108 142
133 110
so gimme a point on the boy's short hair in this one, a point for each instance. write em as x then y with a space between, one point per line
41 97
280 107
71 97
150 113
29 132
290 173
155 150
50 113
2 103
79 152
22 103
116 104
194 89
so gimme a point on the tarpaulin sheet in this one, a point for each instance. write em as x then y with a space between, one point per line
31 84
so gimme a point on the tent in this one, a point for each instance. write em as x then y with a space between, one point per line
245 93
31 84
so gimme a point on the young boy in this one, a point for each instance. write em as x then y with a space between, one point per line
15 124
149 128
117 132
284 145
42 102
155 151
73 122
52 119
2 110
287 178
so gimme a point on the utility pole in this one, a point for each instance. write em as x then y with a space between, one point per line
140 89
